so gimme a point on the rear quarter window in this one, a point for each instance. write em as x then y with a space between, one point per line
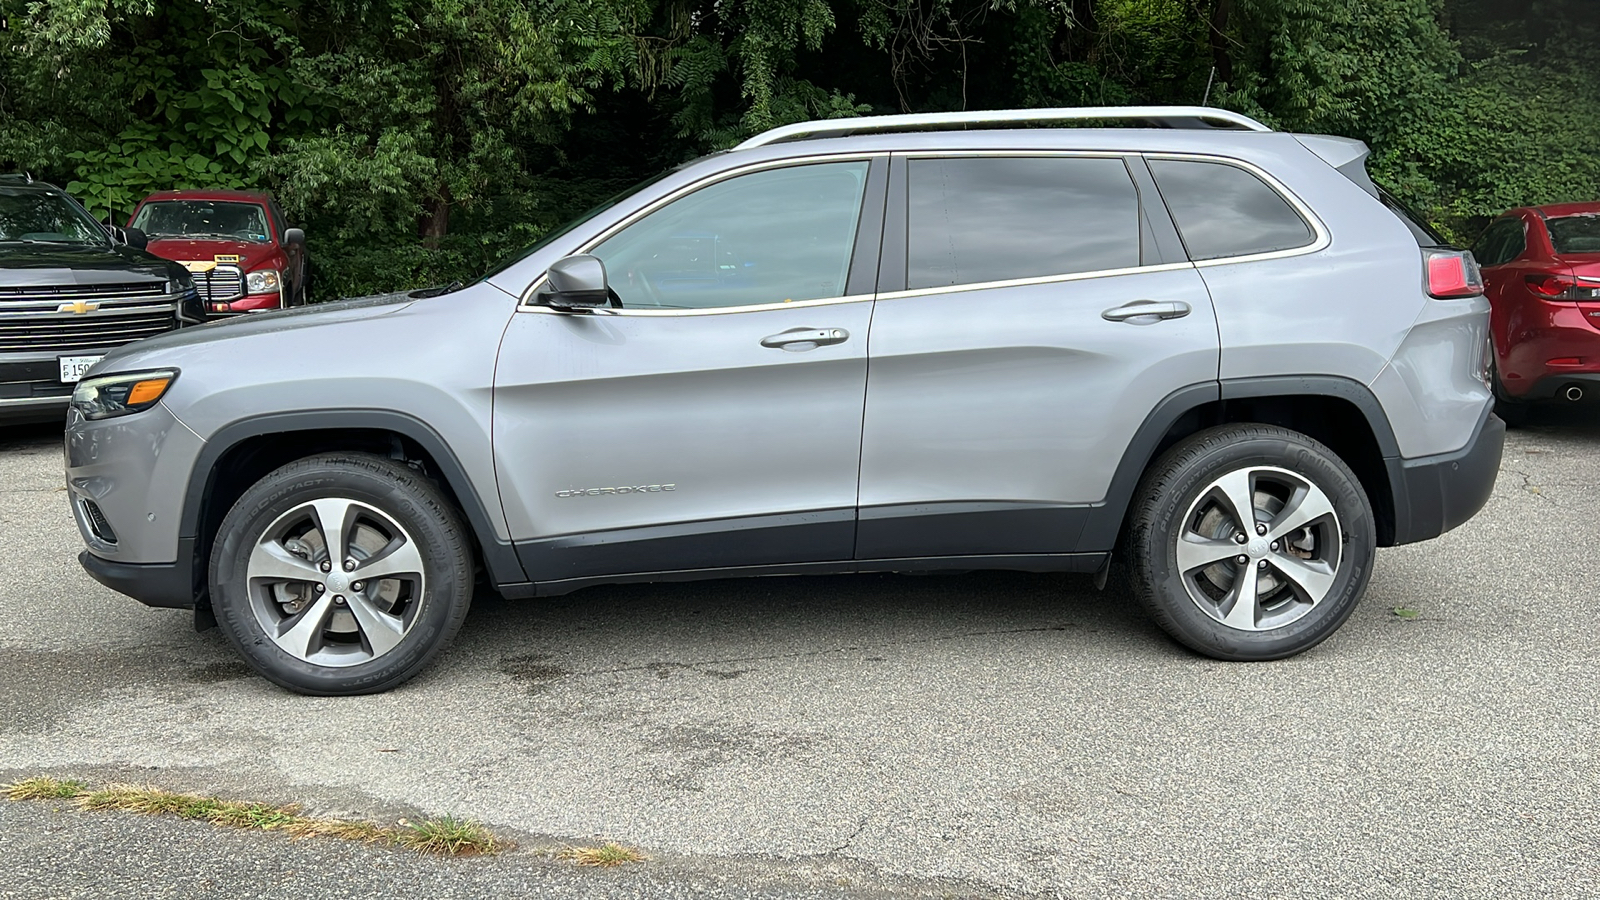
1223 211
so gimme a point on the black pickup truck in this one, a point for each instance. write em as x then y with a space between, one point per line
70 290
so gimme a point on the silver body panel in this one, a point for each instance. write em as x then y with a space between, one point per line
979 395
601 400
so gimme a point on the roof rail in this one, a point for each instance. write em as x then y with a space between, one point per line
1157 116
17 178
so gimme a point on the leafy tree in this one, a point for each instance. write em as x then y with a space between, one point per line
420 140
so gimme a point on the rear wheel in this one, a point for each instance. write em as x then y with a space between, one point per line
341 574
1250 542
1511 411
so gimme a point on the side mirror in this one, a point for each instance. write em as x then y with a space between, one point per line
576 282
294 236
135 238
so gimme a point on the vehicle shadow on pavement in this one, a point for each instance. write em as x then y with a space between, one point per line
723 622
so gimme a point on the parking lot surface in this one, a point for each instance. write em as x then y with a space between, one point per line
985 734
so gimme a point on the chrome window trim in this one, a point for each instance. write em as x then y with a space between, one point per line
525 301
1018 153
1320 239
1041 279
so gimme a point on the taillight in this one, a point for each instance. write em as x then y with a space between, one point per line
1452 273
1560 287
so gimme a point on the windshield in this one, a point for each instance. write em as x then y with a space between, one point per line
45 217
203 219
1575 234
543 242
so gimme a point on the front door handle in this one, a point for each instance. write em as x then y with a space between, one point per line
1146 312
797 339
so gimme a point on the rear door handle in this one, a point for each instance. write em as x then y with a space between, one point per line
798 339
1145 312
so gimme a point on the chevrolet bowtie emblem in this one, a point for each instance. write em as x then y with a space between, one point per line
78 306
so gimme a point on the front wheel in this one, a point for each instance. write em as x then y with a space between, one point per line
1250 542
341 574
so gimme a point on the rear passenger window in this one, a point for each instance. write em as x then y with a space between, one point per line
978 219
1502 242
1223 210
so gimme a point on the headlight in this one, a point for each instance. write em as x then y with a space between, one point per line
262 282
119 395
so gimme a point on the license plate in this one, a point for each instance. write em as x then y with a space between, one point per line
73 367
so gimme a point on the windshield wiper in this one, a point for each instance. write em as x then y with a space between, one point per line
425 293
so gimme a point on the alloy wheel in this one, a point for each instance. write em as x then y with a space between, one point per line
1259 548
335 582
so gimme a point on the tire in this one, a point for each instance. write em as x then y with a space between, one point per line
1307 577
1512 412
308 626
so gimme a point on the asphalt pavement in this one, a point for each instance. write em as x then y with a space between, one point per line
989 734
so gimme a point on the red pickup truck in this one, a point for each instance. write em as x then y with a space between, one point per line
243 256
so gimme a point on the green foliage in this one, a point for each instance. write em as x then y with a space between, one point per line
418 141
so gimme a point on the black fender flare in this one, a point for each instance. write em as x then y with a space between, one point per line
498 555
1105 522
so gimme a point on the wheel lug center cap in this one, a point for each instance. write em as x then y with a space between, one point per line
1257 548
337 582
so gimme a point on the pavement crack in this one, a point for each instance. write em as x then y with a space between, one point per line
1535 489
853 835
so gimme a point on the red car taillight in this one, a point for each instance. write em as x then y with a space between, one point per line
1452 273
1560 287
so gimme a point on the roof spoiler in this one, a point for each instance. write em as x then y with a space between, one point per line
1347 155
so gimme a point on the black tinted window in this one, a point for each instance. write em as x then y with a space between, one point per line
1418 226
1501 242
1223 210
993 219
1575 234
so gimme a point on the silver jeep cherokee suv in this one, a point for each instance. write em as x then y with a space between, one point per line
854 345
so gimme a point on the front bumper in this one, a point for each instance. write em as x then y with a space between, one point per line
173 585
247 304
126 480
1434 494
31 386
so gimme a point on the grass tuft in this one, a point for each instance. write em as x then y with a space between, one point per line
605 855
445 837
44 789
448 837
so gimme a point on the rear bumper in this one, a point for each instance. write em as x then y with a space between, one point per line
1555 385
1434 494
173 585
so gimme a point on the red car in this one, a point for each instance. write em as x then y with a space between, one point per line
1541 267
243 256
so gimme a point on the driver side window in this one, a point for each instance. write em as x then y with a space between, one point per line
774 236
